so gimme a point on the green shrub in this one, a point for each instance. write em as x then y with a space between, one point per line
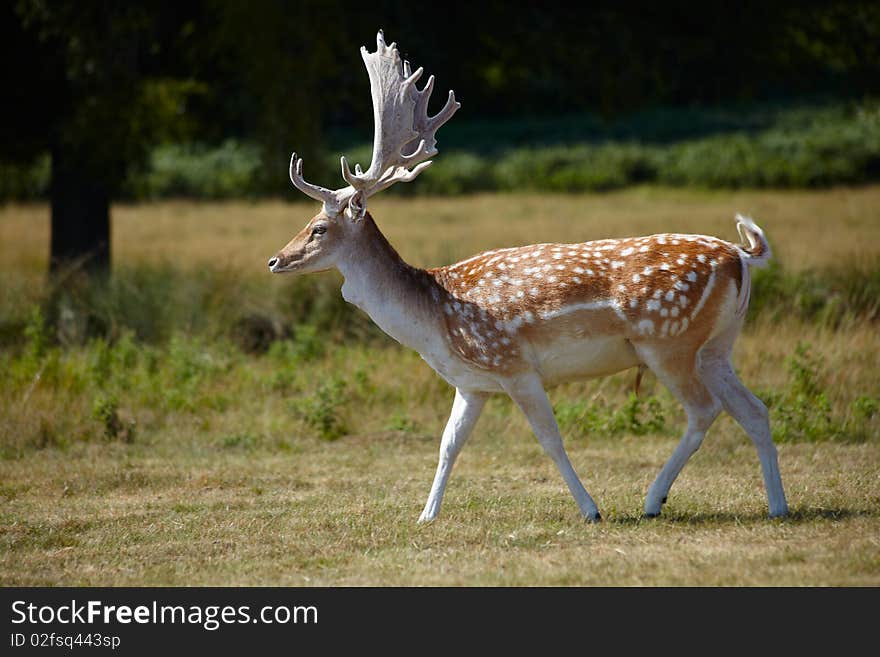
322 409
763 145
637 416
230 170
802 410
26 182
401 422
828 298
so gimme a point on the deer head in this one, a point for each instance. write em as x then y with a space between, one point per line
403 143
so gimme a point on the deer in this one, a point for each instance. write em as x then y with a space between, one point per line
518 320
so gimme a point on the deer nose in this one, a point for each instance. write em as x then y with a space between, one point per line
273 262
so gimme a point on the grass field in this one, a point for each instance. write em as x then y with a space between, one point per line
184 460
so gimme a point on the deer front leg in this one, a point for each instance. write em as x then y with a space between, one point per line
528 393
466 411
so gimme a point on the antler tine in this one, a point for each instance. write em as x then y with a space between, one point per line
404 136
316 192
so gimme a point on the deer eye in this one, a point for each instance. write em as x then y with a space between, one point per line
319 230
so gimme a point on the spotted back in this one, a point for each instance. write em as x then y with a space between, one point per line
653 286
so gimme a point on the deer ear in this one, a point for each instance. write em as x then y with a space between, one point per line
357 205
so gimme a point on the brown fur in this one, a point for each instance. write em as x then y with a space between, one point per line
644 287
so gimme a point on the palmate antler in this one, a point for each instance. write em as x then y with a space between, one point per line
404 137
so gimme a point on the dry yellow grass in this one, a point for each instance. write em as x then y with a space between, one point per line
806 228
183 505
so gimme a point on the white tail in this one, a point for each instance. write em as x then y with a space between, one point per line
758 253
516 320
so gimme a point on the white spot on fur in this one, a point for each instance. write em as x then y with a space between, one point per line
708 289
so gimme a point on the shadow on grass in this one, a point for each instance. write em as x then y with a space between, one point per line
722 518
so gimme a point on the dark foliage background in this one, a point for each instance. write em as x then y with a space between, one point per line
205 98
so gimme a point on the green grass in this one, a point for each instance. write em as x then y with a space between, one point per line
195 421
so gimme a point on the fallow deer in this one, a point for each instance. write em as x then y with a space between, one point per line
516 320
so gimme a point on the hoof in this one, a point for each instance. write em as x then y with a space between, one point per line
650 515
595 518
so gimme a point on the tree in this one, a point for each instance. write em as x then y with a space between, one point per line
94 84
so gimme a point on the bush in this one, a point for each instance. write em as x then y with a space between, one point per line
802 410
637 416
322 409
230 170
792 146
828 298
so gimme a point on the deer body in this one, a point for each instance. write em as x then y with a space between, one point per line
516 320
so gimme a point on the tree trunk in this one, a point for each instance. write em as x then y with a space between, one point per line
80 238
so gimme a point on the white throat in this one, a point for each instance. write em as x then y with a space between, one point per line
395 308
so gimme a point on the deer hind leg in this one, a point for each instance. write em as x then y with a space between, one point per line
751 414
528 393
678 371
466 411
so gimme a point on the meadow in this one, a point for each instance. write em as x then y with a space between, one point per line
198 421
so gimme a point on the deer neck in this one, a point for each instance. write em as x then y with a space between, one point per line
396 296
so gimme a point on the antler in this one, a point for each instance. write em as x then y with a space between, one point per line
313 191
404 137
